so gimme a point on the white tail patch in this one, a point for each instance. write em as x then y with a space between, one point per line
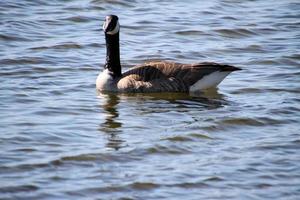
209 81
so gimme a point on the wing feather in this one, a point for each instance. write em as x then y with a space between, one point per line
168 76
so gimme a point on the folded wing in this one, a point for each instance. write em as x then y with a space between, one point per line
168 76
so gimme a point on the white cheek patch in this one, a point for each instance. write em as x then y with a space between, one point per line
115 30
104 26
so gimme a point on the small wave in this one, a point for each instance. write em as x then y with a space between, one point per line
200 136
247 91
189 185
179 139
21 188
172 149
271 121
128 3
190 32
235 33
85 159
70 45
25 60
5 37
264 62
229 18
144 185
297 141
263 185
25 149
213 179
78 19
97 45
261 121
265 30
295 56
246 49
277 146
136 186
285 75
287 61
242 121
34 71
254 48
280 90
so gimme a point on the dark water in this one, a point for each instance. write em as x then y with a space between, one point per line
58 140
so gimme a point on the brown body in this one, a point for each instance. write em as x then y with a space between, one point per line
168 76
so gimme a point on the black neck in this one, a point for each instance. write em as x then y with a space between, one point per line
113 54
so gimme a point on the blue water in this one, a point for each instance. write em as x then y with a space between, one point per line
59 139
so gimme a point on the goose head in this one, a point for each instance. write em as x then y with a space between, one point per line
111 25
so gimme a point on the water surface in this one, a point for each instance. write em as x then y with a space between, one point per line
60 140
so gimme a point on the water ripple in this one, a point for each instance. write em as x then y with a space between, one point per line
59 141
235 33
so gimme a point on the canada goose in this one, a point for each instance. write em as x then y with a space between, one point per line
154 76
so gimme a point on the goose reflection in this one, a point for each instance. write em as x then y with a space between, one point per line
111 125
150 103
209 99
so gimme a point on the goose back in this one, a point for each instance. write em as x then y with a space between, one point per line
161 76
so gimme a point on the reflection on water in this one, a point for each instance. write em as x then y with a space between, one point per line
110 108
149 104
111 125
